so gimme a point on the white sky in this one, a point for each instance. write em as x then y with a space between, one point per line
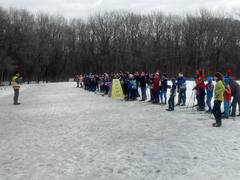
84 8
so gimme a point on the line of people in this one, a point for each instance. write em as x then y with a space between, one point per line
226 90
131 83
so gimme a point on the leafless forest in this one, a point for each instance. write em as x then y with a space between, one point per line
53 48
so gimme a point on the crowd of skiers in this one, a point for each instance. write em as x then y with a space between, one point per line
225 90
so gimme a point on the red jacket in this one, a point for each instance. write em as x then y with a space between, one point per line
227 94
200 85
156 86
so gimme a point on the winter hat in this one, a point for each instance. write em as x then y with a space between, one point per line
229 73
165 75
131 76
218 75
180 74
210 79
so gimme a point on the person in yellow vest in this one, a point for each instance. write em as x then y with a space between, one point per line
218 99
16 86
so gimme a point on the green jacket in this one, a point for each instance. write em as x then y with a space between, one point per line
219 91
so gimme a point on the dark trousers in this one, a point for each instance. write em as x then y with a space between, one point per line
171 102
156 96
106 90
201 102
182 97
217 112
133 94
16 95
151 93
236 100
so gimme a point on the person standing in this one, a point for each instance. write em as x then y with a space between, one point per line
132 87
164 89
143 85
172 96
78 81
200 89
156 88
182 88
16 86
227 98
235 88
209 91
218 99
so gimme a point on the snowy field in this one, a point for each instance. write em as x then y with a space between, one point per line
64 133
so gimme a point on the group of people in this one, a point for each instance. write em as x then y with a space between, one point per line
226 90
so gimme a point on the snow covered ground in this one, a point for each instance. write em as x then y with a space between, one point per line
64 133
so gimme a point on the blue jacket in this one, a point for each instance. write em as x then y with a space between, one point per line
209 89
132 84
181 84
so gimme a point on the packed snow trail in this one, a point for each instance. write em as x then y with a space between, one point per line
64 133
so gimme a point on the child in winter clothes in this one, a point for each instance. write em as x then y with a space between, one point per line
156 88
172 96
219 91
163 90
209 90
143 86
227 97
181 88
200 88
201 94
132 87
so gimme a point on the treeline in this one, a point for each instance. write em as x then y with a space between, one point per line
52 48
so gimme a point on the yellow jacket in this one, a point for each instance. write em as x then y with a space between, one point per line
219 91
14 83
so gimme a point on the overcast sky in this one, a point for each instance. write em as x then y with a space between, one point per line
84 8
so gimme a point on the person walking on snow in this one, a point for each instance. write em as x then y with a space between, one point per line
16 86
218 99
